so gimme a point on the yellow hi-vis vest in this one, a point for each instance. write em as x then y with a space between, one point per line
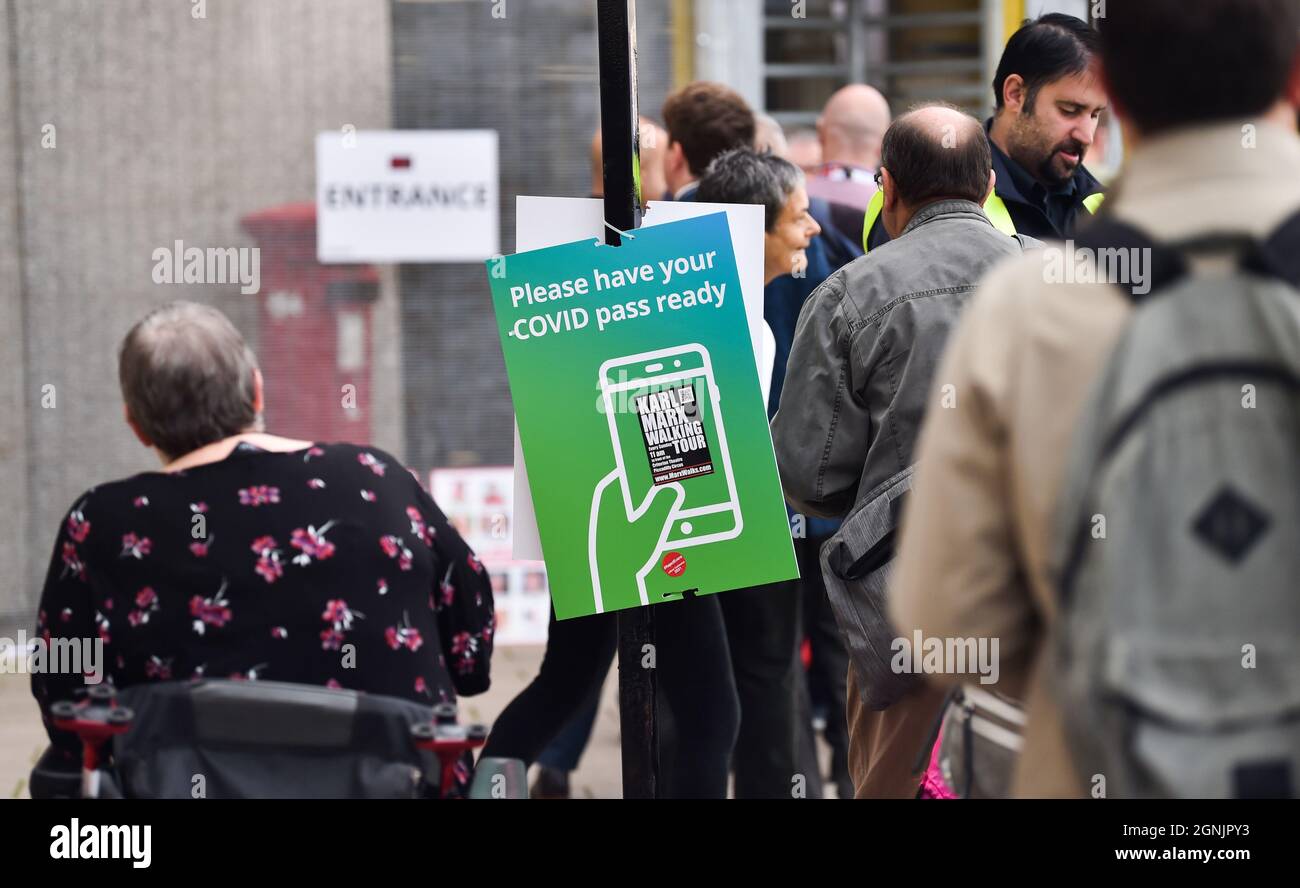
995 208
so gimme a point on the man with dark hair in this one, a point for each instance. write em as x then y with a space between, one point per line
1195 78
703 120
859 378
1207 94
1048 101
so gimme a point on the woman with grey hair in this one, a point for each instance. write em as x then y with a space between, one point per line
744 176
255 556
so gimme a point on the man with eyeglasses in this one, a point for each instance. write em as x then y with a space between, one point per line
859 378
1049 101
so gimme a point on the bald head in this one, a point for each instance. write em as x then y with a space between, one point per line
852 124
936 152
941 122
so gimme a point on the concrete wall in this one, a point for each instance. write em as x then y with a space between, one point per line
167 127
14 462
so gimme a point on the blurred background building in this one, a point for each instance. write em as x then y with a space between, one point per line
135 124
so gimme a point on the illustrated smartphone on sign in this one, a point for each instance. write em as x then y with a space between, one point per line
666 425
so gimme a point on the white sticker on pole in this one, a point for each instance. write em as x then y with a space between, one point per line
406 196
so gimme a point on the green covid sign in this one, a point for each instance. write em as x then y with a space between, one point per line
641 418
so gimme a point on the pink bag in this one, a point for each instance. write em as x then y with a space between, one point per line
933 786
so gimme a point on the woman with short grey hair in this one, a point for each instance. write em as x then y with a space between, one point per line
744 176
249 555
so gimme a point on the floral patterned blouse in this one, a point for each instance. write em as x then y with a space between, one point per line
328 566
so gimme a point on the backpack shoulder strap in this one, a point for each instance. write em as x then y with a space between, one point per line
1109 233
1279 255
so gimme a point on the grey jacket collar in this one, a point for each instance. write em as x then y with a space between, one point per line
943 208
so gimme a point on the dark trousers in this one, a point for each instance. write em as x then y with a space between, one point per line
763 634
565 751
694 683
830 658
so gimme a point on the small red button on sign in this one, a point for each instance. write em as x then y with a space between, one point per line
674 564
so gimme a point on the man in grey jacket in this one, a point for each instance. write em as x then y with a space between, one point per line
860 375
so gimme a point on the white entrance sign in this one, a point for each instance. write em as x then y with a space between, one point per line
406 196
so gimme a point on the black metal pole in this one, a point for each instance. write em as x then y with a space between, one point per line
620 141
619 129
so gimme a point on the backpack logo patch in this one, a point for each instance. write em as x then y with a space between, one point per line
1230 525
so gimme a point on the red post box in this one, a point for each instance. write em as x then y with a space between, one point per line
314 331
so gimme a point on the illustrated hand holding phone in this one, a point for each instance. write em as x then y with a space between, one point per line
672 486
619 538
